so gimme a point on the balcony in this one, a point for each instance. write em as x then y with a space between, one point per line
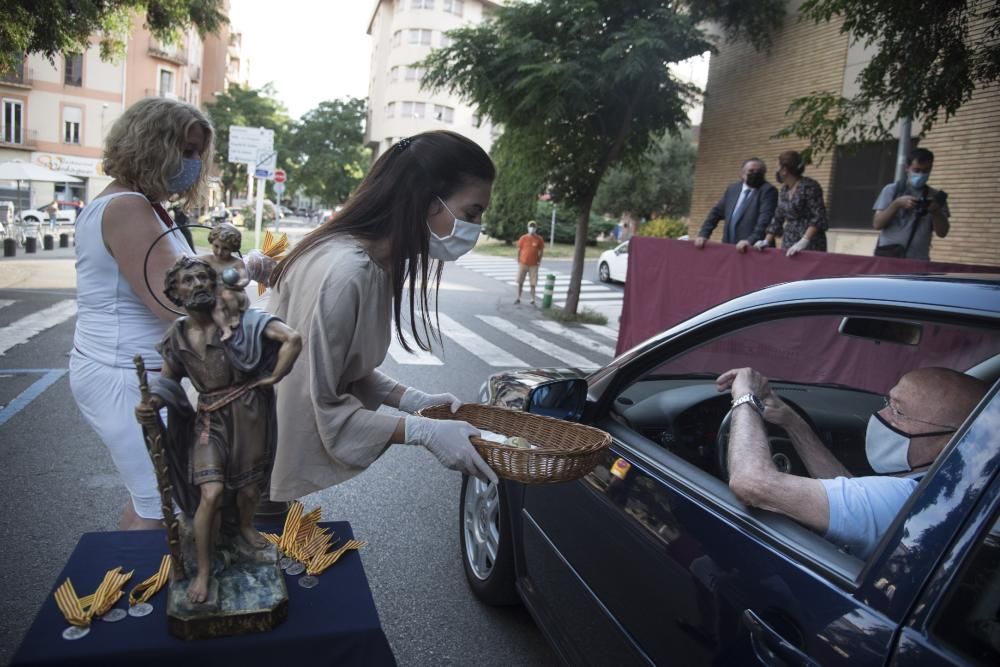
19 77
169 52
153 92
194 71
29 140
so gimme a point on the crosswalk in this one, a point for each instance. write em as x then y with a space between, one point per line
586 346
592 295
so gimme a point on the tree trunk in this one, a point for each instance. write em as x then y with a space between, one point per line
579 254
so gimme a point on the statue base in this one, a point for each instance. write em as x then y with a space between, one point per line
246 595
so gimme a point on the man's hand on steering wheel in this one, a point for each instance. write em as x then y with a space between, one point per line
741 381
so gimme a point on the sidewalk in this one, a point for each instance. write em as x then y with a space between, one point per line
45 269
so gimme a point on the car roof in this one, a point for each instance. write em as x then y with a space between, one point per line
959 291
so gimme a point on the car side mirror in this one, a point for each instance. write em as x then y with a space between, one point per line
562 399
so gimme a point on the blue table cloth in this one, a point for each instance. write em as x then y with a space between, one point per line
334 623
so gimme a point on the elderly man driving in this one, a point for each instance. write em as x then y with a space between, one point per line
922 411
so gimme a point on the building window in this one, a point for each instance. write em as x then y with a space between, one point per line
419 36
390 110
394 74
414 73
445 40
455 7
422 4
72 119
13 122
860 171
413 110
166 83
397 38
73 76
444 114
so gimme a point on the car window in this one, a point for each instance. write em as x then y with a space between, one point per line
969 619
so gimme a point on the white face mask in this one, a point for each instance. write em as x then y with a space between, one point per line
461 240
888 448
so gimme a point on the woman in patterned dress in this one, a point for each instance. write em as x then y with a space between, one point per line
800 219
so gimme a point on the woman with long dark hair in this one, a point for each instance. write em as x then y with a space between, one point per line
342 288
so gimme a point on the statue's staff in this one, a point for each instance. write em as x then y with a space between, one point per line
154 443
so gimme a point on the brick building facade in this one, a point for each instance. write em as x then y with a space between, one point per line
746 98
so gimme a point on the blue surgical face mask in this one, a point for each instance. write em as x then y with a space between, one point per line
917 181
186 177
461 240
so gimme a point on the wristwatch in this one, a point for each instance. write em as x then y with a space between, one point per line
752 399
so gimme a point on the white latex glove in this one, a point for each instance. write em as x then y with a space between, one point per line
414 400
760 245
448 440
797 247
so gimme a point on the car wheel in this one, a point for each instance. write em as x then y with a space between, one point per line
604 272
487 549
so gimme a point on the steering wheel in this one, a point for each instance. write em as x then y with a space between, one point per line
783 453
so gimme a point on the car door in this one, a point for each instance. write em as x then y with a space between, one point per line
650 560
619 263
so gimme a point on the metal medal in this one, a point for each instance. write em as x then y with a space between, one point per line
296 568
285 562
114 615
73 632
140 610
309 581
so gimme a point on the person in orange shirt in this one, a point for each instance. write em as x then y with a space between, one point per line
530 248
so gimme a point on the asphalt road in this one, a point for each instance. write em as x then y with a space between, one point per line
58 482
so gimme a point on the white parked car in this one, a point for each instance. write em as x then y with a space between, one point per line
613 264
63 216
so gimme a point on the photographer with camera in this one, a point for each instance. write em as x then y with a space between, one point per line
905 212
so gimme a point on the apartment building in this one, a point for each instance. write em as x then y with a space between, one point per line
746 98
57 113
403 33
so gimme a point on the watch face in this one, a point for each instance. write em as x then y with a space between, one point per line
757 403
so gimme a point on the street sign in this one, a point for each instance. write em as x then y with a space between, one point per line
266 163
279 187
279 176
246 142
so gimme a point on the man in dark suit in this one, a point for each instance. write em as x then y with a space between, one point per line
747 207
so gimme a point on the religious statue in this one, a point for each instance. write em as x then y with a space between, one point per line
214 460
231 299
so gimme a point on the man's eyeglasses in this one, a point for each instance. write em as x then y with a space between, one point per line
897 413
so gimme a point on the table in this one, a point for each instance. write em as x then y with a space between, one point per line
334 623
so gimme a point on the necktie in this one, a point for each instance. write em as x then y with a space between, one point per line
740 203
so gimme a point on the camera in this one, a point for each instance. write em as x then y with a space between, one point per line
923 204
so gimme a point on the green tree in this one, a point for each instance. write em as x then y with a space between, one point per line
586 82
51 27
249 107
930 56
659 184
329 143
515 191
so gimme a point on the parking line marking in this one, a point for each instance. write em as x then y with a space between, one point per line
575 337
486 351
24 329
5 302
530 339
50 377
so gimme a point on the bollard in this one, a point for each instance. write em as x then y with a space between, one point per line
550 287
30 244
64 240
47 242
9 248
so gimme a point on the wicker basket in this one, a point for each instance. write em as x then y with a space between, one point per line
564 451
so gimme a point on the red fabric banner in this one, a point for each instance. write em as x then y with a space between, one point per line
670 281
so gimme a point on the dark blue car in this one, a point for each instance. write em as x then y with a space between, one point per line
651 559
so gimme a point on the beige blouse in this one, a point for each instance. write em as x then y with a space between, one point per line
328 431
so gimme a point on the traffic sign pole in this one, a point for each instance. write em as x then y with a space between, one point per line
260 208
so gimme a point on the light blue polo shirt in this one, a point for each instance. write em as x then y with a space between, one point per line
862 508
